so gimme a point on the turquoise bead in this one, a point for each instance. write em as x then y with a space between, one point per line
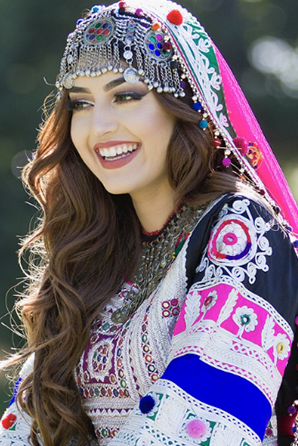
203 124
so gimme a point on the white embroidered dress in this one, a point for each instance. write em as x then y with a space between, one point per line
202 359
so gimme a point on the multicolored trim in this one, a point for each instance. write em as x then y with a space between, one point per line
229 329
178 419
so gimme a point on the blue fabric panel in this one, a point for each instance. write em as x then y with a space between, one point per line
16 388
228 392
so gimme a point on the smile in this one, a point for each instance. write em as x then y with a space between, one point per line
117 152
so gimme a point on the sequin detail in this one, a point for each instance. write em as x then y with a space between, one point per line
100 32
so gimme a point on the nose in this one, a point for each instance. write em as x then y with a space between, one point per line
104 122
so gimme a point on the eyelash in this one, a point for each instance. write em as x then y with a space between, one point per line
119 98
77 104
127 96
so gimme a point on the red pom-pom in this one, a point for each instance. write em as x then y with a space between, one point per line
175 17
122 5
9 421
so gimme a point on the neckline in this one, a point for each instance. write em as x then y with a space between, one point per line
148 237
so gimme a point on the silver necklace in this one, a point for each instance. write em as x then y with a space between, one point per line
156 257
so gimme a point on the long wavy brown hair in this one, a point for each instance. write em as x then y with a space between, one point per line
78 257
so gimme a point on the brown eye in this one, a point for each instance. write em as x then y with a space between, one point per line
77 104
127 97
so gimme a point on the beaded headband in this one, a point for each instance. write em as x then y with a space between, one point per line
112 35
162 44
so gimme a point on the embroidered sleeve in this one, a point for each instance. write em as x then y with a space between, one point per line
231 343
15 424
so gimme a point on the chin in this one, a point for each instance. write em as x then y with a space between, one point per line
117 189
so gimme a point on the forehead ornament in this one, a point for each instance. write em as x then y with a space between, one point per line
124 40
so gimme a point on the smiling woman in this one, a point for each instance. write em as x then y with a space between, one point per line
122 133
162 294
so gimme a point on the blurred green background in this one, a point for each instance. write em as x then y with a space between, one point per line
258 38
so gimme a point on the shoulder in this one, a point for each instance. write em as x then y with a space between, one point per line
247 247
228 230
233 225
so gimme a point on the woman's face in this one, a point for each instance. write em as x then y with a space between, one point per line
122 134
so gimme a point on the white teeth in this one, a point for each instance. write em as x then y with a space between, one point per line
112 151
117 150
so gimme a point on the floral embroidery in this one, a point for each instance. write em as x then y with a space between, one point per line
122 361
246 319
192 308
15 426
282 346
9 421
210 300
279 342
238 246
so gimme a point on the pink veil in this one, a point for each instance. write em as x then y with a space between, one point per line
246 125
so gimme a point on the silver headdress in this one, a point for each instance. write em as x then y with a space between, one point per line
121 39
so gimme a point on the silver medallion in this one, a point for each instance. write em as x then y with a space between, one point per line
131 75
127 55
68 81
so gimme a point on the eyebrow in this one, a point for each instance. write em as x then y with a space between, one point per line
79 90
107 87
114 84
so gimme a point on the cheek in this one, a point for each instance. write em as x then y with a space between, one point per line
77 133
162 131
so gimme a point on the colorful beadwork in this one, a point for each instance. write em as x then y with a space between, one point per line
122 5
100 32
217 142
226 162
94 9
203 124
197 106
121 361
156 26
154 44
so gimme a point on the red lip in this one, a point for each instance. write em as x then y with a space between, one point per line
117 163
